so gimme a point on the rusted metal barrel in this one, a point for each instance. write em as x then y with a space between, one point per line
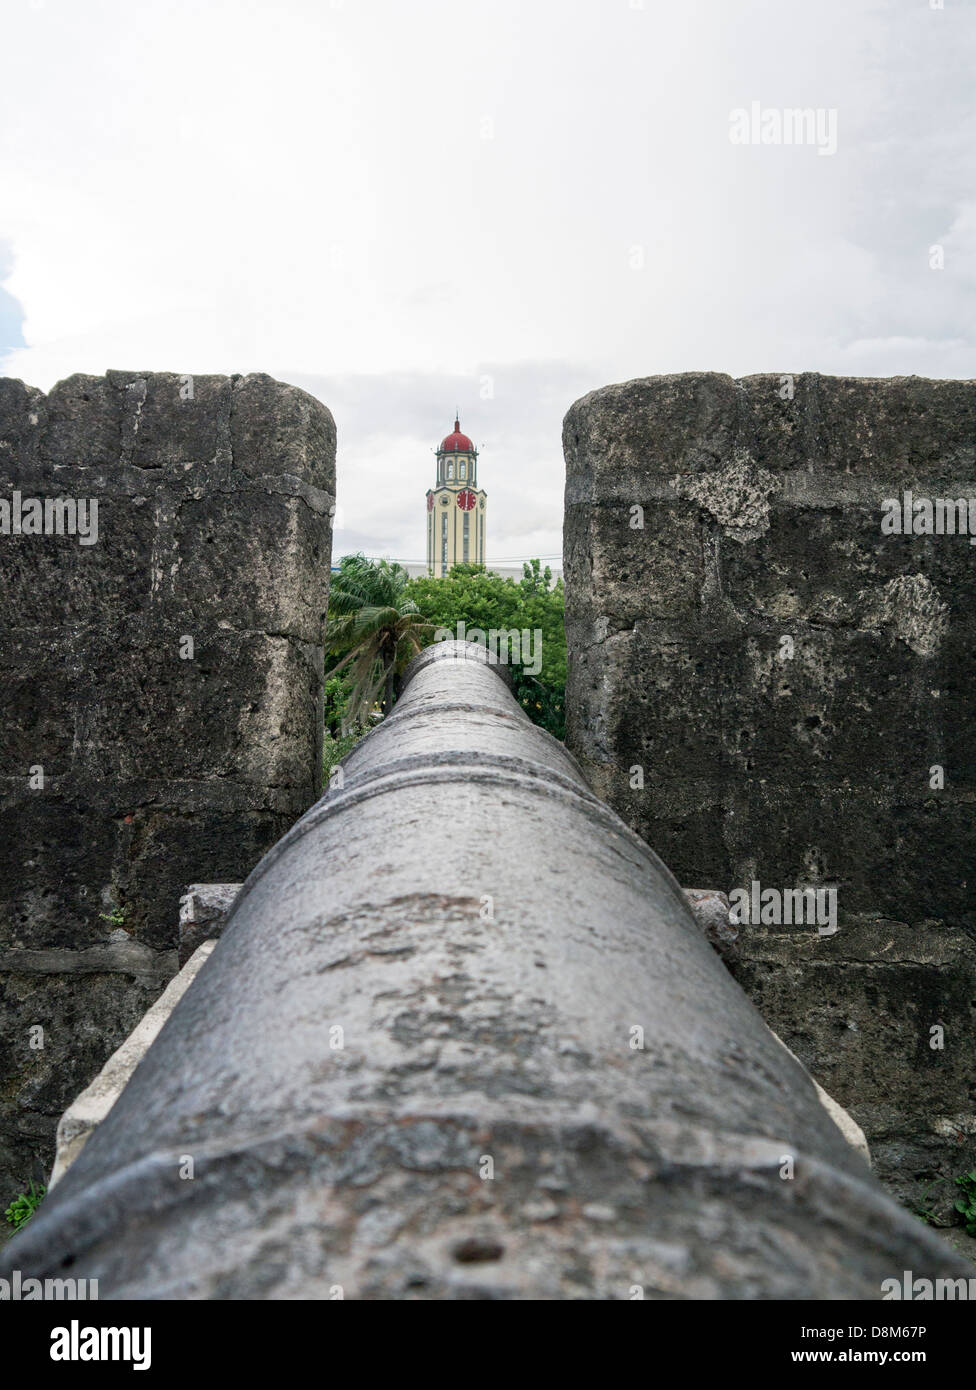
461 1038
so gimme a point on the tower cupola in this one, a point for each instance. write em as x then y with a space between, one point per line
455 506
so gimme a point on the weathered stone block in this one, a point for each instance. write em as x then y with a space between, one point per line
874 998
81 1014
57 856
277 429
796 688
215 497
203 914
82 422
169 419
281 535
50 582
226 843
88 1109
242 706
22 410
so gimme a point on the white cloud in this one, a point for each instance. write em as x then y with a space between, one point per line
379 199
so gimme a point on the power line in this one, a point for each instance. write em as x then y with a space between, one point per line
505 560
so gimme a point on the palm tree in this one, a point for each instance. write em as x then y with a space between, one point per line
374 628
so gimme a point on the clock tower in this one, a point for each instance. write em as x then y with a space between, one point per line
455 507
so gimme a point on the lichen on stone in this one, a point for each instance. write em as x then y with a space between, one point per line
736 495
911 610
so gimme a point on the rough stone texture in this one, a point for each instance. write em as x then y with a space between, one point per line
215 523
710 910
89 1109
762 520
203 915
409 1074
849 1127
86 1002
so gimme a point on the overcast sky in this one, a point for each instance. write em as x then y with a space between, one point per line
410 205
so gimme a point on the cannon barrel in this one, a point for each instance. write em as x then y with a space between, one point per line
462 1038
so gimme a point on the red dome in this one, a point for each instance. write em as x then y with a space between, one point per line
456 442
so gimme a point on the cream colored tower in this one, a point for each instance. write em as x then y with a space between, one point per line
456 507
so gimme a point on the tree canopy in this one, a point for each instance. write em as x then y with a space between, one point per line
379 619
374 629
480 599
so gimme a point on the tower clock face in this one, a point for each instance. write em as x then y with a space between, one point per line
430 501
466 499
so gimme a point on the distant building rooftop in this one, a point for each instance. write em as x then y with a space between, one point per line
416 570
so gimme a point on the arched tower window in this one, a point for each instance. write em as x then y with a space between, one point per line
450 468
462 469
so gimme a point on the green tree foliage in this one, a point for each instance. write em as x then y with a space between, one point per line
374 629
966 1204
479 599
341 735
336 703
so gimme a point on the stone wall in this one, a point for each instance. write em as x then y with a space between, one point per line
161 695
761 683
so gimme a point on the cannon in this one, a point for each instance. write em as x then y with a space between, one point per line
461 1038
